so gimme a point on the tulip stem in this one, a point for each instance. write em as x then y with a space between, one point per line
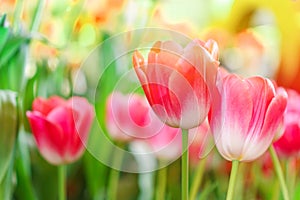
62 182
161 183
197 178
279 173
114 176
185 166
291 176
232 179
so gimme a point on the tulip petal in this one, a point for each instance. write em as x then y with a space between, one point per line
165 53
230 123
192 94
274 114
262 92
289 143
259 143
63 117
48 136
44 106
161 98
83 114
198 57
138 110
140 68
115 116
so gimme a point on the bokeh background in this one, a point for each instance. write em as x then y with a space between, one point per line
73 47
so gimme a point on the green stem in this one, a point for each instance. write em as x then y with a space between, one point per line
279 172
185 166
17 15
114 176
161 183
232 179
62 182
37 16
197 178
276 191
240 180
291 176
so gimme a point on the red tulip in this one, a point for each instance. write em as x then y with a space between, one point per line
176 81
289 143
60 127
246 113
130 117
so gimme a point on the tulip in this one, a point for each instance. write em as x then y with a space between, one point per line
289 143
129 117
61 127
246 113
177 83
176 80
244 118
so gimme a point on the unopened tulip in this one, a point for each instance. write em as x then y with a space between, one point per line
176 80
246 114
61 127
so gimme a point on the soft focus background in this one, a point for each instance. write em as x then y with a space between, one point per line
74 47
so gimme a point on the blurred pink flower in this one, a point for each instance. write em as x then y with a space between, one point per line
176 80
245 115
198 138
130 117
61 127
289 143
166 144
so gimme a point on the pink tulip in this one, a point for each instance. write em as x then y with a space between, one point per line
130 117
176 81
289 143
246 113
61 127
166 144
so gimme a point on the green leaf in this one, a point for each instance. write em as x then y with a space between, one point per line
96 172
8 128
2 20
96 176
11 47
16 69
24 188
4 33
6 188
27 100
